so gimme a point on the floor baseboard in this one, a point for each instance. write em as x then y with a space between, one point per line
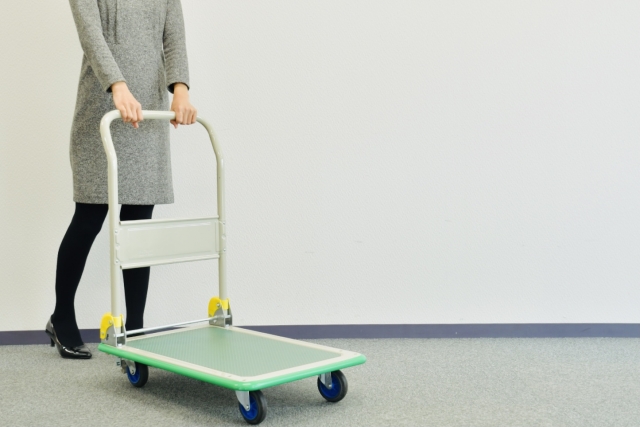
492 330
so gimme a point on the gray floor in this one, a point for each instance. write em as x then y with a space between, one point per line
405 382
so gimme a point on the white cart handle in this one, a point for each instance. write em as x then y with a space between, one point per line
112 160
112 176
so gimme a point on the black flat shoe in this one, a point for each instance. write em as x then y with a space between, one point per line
80 352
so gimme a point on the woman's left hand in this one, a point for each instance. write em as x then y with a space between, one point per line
186 113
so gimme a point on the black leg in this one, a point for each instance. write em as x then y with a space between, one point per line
72 256
136 280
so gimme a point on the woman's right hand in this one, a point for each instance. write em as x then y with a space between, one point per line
126 103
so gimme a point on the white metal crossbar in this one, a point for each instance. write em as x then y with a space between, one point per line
166 241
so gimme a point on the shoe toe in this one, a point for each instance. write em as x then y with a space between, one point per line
82 351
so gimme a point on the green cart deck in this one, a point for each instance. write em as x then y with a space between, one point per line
234 358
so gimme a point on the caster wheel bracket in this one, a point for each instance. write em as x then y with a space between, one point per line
243 398
326 380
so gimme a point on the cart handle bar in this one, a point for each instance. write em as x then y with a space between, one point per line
112 176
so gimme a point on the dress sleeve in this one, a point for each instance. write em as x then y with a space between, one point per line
175 48
87 18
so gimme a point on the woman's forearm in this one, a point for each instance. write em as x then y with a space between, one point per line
180 89
87 18
174 46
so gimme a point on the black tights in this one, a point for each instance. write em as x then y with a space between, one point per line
72 256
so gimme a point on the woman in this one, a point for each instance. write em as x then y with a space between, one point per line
134 52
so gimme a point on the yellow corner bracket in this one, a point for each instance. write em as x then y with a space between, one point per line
107 321
216 303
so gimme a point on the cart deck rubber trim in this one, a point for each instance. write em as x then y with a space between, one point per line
239 351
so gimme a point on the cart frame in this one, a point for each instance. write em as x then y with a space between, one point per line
165 241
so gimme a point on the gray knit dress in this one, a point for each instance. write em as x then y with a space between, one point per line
141 42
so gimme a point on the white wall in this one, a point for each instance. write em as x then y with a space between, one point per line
388 162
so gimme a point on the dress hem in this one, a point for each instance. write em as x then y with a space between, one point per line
124 202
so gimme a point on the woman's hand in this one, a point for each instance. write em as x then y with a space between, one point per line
186 113
129 107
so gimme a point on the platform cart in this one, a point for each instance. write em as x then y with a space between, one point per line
213 351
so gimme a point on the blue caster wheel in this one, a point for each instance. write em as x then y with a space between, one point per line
141 375
257 410
338 390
